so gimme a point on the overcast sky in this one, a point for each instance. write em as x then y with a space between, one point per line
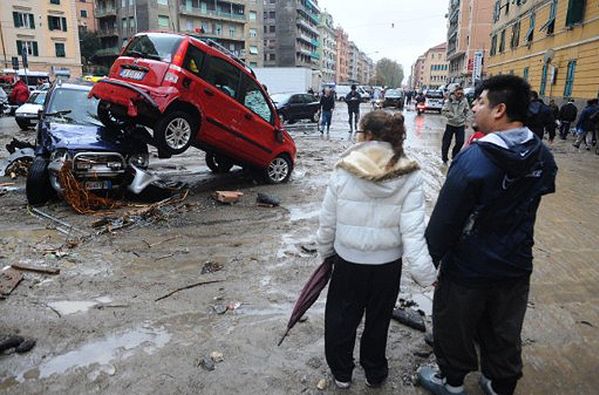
418 25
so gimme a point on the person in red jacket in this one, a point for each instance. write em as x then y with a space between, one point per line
20 93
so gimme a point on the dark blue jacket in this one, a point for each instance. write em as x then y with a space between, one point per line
481 230
584 122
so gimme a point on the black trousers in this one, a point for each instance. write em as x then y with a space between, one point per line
492 317
355 289
450 131
355 114
564 129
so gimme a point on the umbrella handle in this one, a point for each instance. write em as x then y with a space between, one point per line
283 337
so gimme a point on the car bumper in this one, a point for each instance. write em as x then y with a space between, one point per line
26 117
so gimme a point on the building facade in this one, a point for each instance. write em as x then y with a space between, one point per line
469 26
46 30
554 44
291 33
328 47
342 63
417 77
86 21
435 67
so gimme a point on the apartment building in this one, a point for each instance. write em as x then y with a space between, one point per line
554 44
46 30
353 63
417 77
291 33
469 26
435 67
327 49
86 20
342 62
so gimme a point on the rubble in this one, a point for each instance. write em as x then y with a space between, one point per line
9 279
37 269
17 164
266 200
410 318
227 197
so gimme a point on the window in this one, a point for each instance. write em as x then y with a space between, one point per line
575 12
271 15
253 32
223 75
163 21
23 20
194 60
255 100
162 2
550 24
272 57
497 11
570 78
57 23
502 41
543 80
515 35
232 31
132 24
531 30
271 28
525 74
54 1
253 50
29 46
219 29
83 13
124 25
59 48
252 15
493 45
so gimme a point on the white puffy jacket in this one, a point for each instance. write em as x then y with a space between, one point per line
374 215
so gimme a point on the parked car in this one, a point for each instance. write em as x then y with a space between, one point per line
193 92
28 113
295 106
434 100
70 134
394 98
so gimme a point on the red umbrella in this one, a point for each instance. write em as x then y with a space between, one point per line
318 280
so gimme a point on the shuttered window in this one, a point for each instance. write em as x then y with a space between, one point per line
570 78
550 24
543 80
575 12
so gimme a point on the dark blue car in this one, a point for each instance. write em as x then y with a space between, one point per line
70 134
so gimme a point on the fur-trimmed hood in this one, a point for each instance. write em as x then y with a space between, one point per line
368 160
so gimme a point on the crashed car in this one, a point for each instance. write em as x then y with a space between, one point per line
28 113
70 134
192 92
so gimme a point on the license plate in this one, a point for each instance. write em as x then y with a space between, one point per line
133 74
96 185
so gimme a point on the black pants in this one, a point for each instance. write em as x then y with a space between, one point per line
355 114
450 131
564 129
490 316
354 289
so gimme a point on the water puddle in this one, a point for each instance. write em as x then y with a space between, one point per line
101 352
303 211
67 307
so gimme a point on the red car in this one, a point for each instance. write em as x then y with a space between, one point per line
191 92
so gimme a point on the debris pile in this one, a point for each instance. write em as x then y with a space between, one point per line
78 197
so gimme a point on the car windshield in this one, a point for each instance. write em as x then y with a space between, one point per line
154 46
73 106
280 98
393 92
37 98
434 94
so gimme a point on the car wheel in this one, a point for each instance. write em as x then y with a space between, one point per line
37 187
23 123
107 118
278 170
218 164
175 132
315 117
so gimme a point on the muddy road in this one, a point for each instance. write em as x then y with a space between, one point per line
100 329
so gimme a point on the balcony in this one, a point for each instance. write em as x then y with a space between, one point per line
213 14
105 12
302 22
107 32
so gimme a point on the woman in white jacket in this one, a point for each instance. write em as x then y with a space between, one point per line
371 217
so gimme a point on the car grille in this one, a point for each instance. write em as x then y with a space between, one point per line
98 164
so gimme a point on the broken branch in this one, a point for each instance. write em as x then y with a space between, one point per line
187 287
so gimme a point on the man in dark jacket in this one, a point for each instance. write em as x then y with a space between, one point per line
353 99
481 235
327 105
567 115
586 124
540 118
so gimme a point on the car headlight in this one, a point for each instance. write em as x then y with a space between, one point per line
141 159
61 154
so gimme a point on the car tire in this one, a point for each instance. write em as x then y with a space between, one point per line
278 170
107 118
315 117
37 187
24 124
175 132
218 164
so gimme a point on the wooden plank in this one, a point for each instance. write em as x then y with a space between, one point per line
37 269
9 279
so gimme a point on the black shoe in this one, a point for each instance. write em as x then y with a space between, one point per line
576 145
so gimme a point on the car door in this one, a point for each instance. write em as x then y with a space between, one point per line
257 125
295 107
311 106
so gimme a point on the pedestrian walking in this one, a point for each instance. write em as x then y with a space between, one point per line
481 235
19 93
567 115
457 111
586 126
373 213
554 108
408 98
540 118
327 105
353 99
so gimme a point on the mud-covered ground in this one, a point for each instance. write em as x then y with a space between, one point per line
100 329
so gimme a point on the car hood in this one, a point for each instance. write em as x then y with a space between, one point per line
29 108
87 137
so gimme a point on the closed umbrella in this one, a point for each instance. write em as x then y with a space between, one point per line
318 280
